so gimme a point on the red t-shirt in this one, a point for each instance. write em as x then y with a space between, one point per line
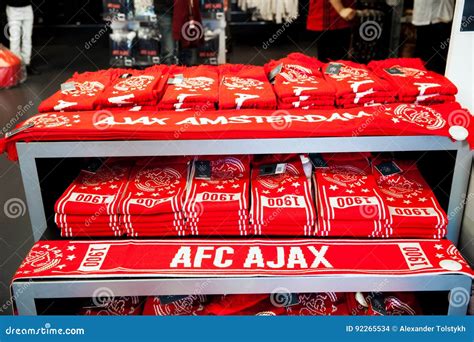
322 16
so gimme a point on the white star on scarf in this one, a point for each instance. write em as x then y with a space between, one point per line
395 120
438 246
235 186
139 194
365 190
204 184
281 189
71 257
296 184
334 187
220 187
407 201
71 248
97 188
266 192
113 186
350 191
390 199
438 255
422 199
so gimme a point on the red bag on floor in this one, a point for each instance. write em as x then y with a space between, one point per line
193 87
245 87
411 79
80 92
135 87
10 68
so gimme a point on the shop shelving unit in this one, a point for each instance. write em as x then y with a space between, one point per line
29 153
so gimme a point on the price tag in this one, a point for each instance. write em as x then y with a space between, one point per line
394 71
388 168
176 79
203 169
275 72
273 169
68 86
170 299
19 130
317 160
333 69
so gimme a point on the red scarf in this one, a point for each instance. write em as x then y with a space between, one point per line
244 86
188 306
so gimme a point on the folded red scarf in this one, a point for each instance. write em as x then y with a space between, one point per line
411 79
135 87
282 195
85 220
80 92
244 86
192 86
300 75
96 193
346 189
155 187
409 199
318 304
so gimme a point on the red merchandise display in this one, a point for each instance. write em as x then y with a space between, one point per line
245 86
281 199
194 88
217 200
356 85
383 304
135 88
115 306
79 93
182 306
414 83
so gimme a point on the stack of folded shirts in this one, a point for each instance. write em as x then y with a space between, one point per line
356 85
413 210
217 198
113 306
80 92
153 200
192 305
299 83
413 83
348 202
245 87
135 88
89 206
281 197
193 88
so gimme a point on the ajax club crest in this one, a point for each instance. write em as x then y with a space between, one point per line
134 83
420 115
88 88
156 179
43 258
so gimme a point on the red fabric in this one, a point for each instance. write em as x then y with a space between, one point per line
319 304
87 89
356 85
283 198
224 196
322 16
414 81
234 304
85 219
135 87
300 77
199 89
245 86
189 306
409 199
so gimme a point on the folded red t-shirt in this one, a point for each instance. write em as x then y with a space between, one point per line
245 87
80 92
135 87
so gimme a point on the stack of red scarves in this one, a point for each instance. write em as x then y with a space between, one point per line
89 206
244 87
192 305
217 200
193 88
153 200
281 198
347 198
300 83
135 88
413 210
80 92
356 85
413 83
114 306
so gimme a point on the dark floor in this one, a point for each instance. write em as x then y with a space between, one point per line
57 55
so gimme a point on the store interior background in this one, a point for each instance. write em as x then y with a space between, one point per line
61 35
